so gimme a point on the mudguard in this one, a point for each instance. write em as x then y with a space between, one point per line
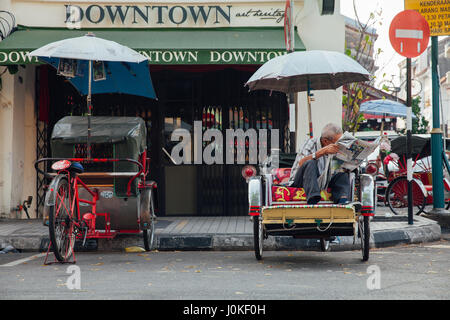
368 195
421 186
144 208
50 195
255 196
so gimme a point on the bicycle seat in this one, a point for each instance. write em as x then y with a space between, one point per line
76 167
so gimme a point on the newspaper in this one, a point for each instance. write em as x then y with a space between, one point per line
352 152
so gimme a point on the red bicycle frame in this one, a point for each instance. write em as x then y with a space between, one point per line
90 218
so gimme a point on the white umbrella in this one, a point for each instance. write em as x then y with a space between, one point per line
306 71
124 70
89 47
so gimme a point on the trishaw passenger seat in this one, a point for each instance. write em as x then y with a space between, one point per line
76 167
281 192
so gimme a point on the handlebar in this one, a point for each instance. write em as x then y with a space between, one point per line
141 167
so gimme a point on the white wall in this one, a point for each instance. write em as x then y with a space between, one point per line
320 33
6 120
17 141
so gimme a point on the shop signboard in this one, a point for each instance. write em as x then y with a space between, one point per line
166 57
140 14
150 18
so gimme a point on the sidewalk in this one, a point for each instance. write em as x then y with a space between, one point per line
225 233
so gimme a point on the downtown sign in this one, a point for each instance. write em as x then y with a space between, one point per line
78 17
170 57
164 15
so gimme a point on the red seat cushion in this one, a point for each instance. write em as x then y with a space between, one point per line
283 193
281 175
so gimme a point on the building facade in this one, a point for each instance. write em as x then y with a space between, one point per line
200 55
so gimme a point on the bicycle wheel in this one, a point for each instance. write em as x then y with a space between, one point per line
149 231
397 196
324 244
429 206
258 236
61 227
364 235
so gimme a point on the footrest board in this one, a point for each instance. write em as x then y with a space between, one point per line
324 213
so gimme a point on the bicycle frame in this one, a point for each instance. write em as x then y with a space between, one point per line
89 219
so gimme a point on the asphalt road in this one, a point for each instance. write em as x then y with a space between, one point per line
404 272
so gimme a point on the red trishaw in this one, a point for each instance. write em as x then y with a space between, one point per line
396 190
102 196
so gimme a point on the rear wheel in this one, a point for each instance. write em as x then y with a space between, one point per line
61 227
397 196
149 232
258 236
324 245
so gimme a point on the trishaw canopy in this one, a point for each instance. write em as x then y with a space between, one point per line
421 147
111 137
130 132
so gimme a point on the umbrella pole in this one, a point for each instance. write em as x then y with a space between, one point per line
89 111
309 110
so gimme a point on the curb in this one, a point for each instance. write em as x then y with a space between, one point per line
237 242
244 242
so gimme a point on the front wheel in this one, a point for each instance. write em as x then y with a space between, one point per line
364 234
258 236
61 226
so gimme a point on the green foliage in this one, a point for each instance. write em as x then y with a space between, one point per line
419 125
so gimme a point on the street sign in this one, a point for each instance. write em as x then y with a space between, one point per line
437 14
409 33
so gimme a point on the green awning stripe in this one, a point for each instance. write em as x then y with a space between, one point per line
164 46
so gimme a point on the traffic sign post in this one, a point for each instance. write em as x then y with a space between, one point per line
436 13
409 34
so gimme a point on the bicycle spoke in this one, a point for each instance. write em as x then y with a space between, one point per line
63 204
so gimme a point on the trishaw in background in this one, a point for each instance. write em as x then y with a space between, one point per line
396 196
278 210
102 196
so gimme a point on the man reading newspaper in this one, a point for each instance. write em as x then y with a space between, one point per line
314 169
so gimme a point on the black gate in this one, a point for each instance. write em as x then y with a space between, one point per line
218 99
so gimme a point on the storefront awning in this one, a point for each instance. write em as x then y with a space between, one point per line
253 45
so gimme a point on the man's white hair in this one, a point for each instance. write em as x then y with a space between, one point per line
331 130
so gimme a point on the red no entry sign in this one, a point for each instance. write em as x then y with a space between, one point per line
409 33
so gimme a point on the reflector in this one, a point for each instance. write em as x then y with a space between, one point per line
61 165
248 171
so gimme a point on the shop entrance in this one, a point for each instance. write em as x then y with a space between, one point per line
213 95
